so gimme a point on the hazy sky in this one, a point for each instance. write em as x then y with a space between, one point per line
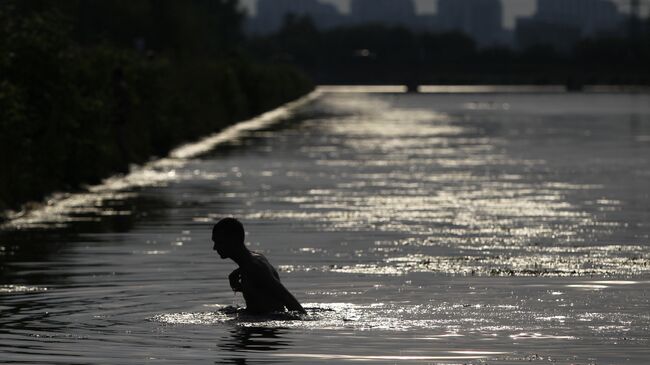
513 8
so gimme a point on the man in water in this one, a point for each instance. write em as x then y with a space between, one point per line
255 277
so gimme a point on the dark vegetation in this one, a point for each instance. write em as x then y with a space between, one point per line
376 54
88 87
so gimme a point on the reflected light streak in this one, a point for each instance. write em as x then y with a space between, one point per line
477 89
362 89
382 358
12 289
539 336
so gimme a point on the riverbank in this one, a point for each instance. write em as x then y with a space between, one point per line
84 151
60 209
72 114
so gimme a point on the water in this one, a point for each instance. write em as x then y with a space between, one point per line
431 228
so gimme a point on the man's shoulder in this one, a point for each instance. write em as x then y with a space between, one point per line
258 256
260 260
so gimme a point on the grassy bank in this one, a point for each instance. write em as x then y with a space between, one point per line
73 113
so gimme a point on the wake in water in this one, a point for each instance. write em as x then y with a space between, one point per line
239 315
331 316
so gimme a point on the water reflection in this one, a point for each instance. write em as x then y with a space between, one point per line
244 339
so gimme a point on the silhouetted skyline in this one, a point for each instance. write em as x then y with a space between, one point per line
562 23
512 9
556 22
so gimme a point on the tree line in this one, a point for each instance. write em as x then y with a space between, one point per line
376 53
88 87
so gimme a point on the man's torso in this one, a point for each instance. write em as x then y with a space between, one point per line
257 277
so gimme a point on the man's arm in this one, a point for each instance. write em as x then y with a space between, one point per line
274 287
289 301
235 280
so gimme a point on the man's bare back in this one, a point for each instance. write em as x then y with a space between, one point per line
255 278
261 286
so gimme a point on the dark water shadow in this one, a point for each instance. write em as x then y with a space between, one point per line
252 341
25 252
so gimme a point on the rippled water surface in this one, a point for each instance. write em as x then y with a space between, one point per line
428 228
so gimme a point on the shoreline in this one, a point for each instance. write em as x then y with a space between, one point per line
484 88
58 203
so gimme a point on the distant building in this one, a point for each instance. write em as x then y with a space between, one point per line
392 12
533 32
426 23
480 19
561 23
590 16
271 14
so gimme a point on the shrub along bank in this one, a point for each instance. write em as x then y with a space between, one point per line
74 113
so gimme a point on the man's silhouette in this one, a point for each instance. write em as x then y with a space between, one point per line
255 277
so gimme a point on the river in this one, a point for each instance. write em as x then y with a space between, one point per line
434 228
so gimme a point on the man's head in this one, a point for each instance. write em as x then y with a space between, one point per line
228 237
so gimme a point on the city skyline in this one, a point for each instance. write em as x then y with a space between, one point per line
512 8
